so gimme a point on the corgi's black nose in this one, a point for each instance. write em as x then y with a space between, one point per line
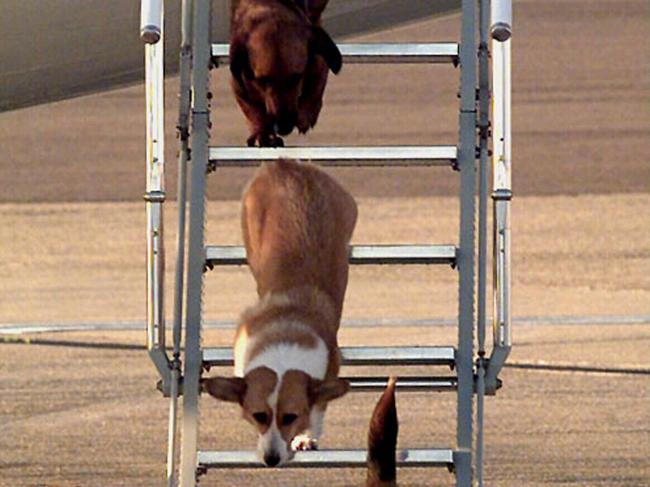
271 459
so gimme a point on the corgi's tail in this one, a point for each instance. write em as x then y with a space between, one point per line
382 440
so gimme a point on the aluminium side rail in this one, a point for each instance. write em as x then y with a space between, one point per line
501 195
183 157
151 33
484 137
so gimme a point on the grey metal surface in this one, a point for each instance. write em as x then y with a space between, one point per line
484 133
184 108
501 20
218 255
404 383
484 170
154 199
155 276
443 52
195 258
502 189
402 254
501 116
463 467
502 321
172 426
480 431
496 362
155 303
438 457
465 259
151 20
337 156
361 356
56 50
501 196
183 157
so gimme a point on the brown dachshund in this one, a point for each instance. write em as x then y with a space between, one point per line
279 59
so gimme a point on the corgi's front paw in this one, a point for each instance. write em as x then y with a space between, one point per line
304 443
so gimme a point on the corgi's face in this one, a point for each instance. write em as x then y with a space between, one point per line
278 407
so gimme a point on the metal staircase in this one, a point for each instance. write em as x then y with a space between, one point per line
474 372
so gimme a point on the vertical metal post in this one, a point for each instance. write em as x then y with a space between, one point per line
467 166
195 258
154 198
151 20
501 20
484 132
502 194
183 132
502 188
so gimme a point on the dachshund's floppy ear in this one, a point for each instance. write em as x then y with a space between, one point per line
239 63
322 43
315 8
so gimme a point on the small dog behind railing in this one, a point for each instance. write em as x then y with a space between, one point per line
279 59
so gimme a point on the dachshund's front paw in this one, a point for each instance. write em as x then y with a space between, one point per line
308 116
305 122
265 140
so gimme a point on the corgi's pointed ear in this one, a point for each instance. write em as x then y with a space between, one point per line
325 391
230 389
321 43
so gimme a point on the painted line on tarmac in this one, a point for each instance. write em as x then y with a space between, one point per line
531 366
27 340
34 328
578 368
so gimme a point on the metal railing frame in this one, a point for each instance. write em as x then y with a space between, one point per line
476 374
152 33
501 196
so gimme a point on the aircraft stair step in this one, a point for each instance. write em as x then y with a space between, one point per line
384 53
220 255
361 356
421 383
420 457
357 156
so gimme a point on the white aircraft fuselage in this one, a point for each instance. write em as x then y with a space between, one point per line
56 50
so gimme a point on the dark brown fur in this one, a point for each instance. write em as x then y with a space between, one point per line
279 59
382 440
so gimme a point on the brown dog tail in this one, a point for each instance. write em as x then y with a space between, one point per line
382 440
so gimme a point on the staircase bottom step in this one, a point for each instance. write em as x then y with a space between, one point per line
438 457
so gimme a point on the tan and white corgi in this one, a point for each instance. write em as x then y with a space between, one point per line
297 223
